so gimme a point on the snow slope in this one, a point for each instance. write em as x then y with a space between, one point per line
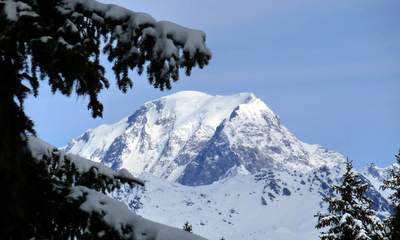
236 208
270 204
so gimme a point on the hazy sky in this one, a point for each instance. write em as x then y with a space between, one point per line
329 69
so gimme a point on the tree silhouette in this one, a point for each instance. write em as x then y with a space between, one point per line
60 41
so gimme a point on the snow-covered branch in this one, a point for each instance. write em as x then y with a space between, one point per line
99 208
190 40
120 218
64 39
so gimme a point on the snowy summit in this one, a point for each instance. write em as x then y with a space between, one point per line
195 138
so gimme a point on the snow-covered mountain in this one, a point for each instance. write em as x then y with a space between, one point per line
224 163
196 139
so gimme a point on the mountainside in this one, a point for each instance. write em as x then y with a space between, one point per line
226 164
195 139
274 205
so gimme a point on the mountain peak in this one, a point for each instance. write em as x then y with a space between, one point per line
186 94
197 138
183 96
188 108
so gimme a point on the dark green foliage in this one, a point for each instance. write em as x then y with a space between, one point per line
60 43
393 183
350 216
49 215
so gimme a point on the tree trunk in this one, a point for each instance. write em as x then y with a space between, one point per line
14 157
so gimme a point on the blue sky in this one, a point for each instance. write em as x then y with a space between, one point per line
329 69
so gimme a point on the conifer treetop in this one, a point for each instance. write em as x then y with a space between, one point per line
350 215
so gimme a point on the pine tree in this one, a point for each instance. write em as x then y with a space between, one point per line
349 216
393 183
187 227
60 41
